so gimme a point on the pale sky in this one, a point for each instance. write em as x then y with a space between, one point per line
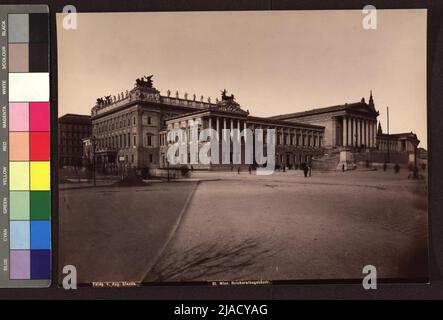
274 62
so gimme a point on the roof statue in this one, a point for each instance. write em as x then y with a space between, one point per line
145 81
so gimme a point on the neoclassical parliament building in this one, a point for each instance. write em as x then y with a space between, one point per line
130 130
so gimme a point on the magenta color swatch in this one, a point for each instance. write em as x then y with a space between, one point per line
19 116
20 264
39 117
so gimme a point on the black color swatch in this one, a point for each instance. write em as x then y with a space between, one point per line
38 28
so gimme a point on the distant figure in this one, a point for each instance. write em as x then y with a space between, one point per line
250 169
284 168
310 170
305 170
343 167
411 171
397 168
192 167
238 170
415 173
232 167
385 166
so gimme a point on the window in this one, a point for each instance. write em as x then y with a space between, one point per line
149 140
134 121
134 140
149 120
150 158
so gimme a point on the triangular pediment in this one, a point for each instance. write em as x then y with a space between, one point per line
231 107
362 107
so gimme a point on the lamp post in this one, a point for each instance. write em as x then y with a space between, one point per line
415 171
93 140
168 168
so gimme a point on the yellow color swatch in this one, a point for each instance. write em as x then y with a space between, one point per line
40 175
18 175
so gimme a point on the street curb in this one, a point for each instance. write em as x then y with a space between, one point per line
172 232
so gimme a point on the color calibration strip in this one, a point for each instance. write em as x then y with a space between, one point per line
25 147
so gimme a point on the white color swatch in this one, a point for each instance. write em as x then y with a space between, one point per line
29 87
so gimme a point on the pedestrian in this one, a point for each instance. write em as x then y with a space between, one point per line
238 170
384 166
343 167
305 170
310 170
250 169
397 168
411 171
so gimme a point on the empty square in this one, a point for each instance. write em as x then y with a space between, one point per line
18 146
18 28
40 264
19 235
19 116
39 146
40 205
18 175
19 204
40 175
38 57
39 116
40 234
20 268
38 27
18 57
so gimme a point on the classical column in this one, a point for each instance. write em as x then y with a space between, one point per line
217 128
210 125
361 132
375 133
225 137
357 132
345 131
368 133
352 132
232 127
239 130
244 129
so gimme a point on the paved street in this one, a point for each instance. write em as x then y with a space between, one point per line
286 226
115 234
279 227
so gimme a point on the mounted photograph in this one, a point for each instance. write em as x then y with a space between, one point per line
244 147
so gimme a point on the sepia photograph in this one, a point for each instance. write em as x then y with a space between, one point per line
243 147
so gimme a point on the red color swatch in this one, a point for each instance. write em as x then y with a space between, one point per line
39 146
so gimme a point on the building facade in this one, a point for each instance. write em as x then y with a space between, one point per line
296 143
126 128
72 129
130 130
351 125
